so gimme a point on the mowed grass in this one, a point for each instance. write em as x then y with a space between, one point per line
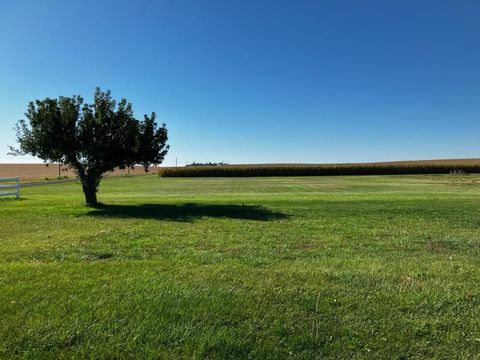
260 268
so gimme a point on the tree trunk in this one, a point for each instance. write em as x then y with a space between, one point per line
89 185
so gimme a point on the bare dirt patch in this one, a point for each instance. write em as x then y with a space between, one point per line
41 171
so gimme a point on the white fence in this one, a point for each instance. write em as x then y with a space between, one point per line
14 188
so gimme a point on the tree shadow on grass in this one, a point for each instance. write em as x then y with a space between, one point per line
186 212
12 199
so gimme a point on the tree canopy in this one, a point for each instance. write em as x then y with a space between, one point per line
92 139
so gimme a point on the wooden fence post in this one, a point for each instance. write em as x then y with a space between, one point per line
17 186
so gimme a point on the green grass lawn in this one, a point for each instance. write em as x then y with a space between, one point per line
260 268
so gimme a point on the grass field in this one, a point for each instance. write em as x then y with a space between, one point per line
261 268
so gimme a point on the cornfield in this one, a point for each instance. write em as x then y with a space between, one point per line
386 168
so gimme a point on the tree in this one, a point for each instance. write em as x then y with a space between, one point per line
91 139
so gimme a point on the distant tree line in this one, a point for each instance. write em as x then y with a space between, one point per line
207 164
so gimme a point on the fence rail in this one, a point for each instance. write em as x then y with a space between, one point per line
15 187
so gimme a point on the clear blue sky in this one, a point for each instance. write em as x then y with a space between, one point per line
260 81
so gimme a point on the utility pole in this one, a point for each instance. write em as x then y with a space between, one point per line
176 163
